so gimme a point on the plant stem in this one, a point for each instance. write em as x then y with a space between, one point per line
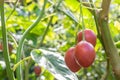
108 43
19 49
87 5
45 32
110 48
47 28
104 76
20 62
83 26
13 39
95 18
27 66
12 10
5 43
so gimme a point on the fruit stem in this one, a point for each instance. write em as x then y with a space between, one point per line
83 26
5 43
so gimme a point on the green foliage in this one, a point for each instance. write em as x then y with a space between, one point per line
60 37
53 62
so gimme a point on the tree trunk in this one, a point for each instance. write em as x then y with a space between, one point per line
108 44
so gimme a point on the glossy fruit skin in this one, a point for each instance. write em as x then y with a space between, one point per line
37 70
85 53
70 60
89 36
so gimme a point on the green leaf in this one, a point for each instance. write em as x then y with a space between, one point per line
117 44
70 15
55 64
36 55
48 75
72 4
117 1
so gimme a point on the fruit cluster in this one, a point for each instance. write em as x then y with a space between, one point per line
83 54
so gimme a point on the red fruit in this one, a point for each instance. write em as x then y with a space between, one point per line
37 70
84 53
89 36
70 60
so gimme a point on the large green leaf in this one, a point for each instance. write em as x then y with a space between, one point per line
53 62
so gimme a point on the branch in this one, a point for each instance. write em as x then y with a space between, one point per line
21 42
105 8
108 44
88 5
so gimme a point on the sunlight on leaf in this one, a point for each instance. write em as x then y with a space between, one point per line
36 55
55 64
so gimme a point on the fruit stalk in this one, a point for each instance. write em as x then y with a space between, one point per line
83 26
5 43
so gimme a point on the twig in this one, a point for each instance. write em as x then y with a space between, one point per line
87 5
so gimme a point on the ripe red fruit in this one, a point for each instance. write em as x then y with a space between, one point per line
84 53
37 70
70 60
89 36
